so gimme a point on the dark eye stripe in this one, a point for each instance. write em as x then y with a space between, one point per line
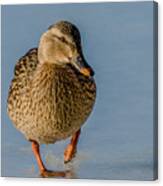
62 39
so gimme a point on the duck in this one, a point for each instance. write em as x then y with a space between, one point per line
53 92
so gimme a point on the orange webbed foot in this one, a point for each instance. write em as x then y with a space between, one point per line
48 174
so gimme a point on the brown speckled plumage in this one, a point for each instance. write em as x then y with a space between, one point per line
48 101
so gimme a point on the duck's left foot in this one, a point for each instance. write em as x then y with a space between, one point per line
71 149
69 153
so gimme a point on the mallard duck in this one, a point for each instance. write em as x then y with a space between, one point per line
53 91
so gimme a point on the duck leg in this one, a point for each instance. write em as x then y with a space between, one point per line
72 147
44 172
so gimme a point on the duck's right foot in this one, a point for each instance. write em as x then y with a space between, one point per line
48 173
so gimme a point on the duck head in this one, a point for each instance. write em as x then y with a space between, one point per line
61 45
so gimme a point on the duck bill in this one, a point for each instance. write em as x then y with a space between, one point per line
86 71
84 68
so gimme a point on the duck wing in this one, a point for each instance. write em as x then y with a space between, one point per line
23 73
26 65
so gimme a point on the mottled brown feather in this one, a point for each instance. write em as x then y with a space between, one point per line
48 102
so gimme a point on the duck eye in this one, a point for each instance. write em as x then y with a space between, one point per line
62 39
